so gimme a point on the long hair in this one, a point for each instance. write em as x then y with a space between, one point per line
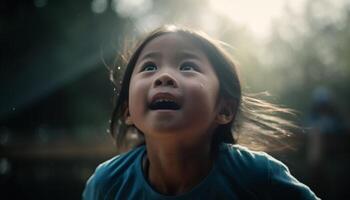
252 115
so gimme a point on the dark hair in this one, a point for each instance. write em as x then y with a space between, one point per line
250 112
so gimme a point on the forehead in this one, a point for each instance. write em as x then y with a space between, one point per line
171 43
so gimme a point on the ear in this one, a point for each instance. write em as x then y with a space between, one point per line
226 112
127 117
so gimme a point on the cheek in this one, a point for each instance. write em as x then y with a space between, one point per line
203 95
201 105
137 98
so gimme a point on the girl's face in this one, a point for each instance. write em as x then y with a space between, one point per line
173 90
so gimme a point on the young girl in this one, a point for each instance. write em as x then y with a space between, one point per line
182 96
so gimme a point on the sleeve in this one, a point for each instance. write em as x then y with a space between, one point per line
93 187
284 186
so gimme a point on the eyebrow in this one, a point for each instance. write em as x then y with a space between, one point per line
179 55
187 54
151 55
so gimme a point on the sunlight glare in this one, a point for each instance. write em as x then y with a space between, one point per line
256 15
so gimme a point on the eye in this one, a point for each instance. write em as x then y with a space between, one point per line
149 67
188 66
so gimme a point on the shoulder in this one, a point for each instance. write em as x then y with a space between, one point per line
110 173
245 158
273 178
250 166
118 164
258 161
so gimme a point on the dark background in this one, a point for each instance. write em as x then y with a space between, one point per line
56 97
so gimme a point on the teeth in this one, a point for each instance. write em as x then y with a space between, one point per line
163 100
164 104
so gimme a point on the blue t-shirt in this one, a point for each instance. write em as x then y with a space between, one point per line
237 173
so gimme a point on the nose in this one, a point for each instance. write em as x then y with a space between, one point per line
166 80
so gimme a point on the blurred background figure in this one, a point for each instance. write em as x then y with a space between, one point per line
327 145
324 120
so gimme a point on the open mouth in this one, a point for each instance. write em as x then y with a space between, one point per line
164 104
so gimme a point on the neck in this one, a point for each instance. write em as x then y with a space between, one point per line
174 168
